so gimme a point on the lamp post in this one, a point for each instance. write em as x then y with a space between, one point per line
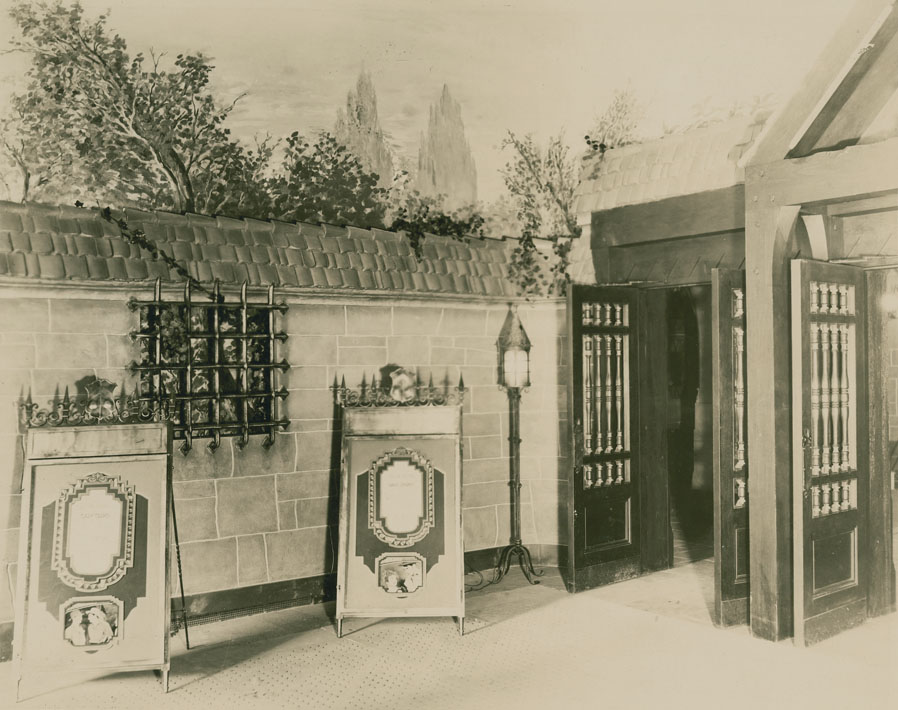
514 375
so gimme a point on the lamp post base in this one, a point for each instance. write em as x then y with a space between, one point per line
516 549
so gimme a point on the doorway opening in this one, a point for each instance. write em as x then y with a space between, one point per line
689 425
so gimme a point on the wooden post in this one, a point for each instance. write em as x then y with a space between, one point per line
768 228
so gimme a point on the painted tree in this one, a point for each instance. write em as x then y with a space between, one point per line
143 130
542 182
324 182
38 161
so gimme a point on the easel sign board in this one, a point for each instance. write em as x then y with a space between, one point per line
401 551
93 588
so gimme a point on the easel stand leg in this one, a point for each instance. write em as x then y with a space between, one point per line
174 522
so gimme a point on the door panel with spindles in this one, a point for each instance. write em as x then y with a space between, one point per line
604 515
830 458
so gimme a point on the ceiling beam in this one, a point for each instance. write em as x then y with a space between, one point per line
854 172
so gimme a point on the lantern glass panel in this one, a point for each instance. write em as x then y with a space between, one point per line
515 366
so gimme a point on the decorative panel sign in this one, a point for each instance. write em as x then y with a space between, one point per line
93 572
401 550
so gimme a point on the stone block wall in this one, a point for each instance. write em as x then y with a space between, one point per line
261 516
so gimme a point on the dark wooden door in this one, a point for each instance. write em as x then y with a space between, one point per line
604 515
830 470
730 450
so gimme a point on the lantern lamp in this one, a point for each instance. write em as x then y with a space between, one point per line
514 375
514 353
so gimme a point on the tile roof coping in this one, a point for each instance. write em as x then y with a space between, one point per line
53 242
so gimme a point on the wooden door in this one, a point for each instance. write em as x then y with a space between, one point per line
830 470
730 450
604 516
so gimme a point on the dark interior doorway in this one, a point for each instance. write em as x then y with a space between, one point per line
689 425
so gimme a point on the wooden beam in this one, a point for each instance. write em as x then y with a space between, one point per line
768 236
709 212
850 208
860 95
855 172
785 128
678 261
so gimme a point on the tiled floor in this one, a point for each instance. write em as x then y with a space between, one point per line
643 643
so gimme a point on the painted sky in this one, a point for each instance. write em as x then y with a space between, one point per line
530 65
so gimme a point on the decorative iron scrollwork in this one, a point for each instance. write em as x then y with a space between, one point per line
98 405
417 394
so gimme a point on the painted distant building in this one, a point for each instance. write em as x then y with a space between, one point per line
445 162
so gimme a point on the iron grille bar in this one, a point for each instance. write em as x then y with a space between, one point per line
188 405
157 313
254 427
283 365
134 304
244 371
273 401
216 374
209 335
281 393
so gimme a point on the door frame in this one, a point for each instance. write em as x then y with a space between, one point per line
880 281
731 467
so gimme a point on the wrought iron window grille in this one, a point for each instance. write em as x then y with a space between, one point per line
215 362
